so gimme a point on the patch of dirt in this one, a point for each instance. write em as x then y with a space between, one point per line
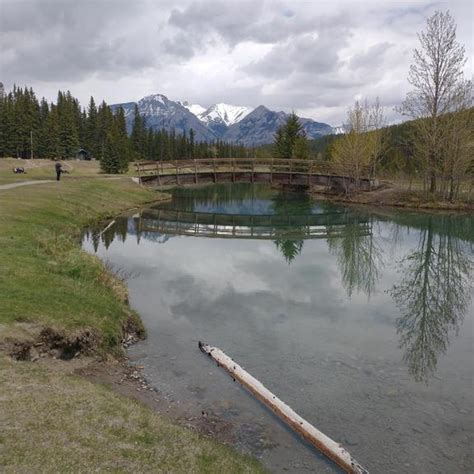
52 342
76 352
31 342
128 381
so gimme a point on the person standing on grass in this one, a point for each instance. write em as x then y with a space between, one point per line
59 170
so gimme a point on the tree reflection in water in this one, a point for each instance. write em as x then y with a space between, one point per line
433 295
284 204
358 256
434 289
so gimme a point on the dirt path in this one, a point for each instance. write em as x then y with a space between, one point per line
24 183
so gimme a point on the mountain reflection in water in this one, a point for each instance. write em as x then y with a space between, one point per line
433 290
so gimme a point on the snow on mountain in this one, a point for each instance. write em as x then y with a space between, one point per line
259 127
224 113
161 113
232 123
195 109
338 130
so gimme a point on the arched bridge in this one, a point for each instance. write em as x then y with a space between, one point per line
235 226
249 170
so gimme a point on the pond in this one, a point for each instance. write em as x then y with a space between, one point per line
360 320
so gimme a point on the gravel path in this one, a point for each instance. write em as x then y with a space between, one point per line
24 183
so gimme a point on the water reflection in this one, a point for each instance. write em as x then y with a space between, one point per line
433 289
358 256
433 294
283 205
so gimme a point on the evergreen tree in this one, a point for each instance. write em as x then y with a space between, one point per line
68 124
104 125
53 139
290 139
191 143
301 149
91 136
110 160
138 135
42 135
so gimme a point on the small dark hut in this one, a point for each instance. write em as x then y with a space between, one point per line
82 154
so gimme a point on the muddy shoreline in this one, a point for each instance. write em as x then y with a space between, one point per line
127 380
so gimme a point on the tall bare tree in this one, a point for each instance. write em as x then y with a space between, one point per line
377 143
436 76
458 150
358 152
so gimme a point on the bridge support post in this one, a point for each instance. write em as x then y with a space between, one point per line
195 173
177 176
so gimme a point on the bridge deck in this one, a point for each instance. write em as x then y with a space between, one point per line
248 170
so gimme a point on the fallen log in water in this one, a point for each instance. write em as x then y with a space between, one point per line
325 444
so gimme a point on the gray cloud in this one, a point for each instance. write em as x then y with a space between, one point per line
310 56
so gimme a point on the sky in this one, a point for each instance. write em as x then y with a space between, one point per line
313 57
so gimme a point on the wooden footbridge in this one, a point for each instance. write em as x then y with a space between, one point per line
248 170
310 226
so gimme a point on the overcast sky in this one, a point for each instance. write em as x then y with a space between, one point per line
314 57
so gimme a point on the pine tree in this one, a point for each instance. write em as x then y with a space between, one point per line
280 143
301 148
53 140
110 161
42 136
104 126
91 136
290 139
191 143
138 135
68 124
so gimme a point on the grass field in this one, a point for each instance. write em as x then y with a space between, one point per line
44 169
57 422
45 277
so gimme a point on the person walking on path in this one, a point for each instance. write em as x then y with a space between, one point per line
59 170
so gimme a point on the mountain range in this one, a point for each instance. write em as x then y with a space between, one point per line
238 124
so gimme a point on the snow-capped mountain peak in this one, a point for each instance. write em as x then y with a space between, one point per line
155 98
237 124
339 129
195 109
224 113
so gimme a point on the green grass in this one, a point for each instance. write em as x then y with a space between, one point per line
44 169
45 277
55 422
52 421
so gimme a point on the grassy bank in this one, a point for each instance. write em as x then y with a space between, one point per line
45 277
53 421
56 422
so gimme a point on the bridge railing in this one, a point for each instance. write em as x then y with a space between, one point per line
236 165
333 224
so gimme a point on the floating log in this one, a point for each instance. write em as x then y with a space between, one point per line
326 445
108 227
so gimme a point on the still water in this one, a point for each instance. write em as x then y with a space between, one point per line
361 321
